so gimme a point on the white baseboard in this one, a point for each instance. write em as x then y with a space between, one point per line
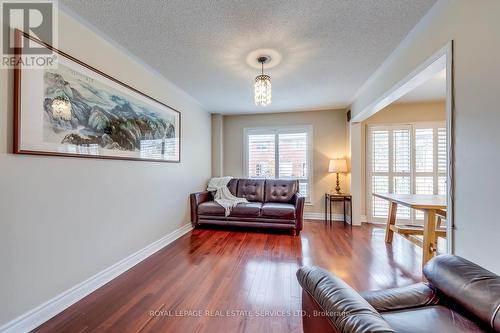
321 216
52 307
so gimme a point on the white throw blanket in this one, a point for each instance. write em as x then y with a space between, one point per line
223 196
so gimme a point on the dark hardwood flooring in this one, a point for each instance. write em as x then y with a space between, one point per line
251 274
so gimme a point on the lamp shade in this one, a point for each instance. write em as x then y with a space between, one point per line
338 166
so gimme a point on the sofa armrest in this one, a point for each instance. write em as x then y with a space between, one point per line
195 199
464 284
342 305
299 200
415 295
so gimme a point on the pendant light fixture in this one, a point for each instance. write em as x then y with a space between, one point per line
262 85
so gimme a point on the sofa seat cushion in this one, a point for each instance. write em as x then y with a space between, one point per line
435 318
278 210
210 208
249 209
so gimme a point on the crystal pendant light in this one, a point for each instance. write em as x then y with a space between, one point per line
262 86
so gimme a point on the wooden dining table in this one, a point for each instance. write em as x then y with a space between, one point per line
431 205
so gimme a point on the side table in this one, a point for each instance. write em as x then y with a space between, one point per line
344 198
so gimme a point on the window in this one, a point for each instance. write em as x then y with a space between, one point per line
279 153
405 159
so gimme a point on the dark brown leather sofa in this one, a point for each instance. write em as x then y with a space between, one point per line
459 296
273 203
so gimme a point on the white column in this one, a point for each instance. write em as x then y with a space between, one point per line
217 145
357 179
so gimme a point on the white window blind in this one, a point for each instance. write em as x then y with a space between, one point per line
405 159
279 153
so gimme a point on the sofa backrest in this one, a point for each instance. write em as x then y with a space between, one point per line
233 186
264 190
474 288
251 189
280 190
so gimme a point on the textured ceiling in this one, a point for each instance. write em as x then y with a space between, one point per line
328 48
432 90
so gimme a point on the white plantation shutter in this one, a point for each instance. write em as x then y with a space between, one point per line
391 167
292 152
442 160
402 185
380 184
423 185
430 161
441 150
405 159
293 155
304 189
261 155
380 169
401 167
380 157
442 185
279 153
401 150
424 156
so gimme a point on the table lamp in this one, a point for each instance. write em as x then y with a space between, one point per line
338 166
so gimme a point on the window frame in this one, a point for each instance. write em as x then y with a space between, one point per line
435 125
276 130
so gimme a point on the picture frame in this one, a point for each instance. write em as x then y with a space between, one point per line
77 110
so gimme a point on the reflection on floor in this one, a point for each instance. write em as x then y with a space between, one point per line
238 281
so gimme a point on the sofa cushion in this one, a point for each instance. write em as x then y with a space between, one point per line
210 208
278 210
251 189
250 209
279 190
435 318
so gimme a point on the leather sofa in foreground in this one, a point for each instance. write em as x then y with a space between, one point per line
273 203
459 296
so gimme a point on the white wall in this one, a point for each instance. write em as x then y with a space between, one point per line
401 113
474 26
63 220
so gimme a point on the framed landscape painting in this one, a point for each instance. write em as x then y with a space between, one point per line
76 110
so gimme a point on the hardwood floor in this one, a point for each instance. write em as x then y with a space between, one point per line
238 281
